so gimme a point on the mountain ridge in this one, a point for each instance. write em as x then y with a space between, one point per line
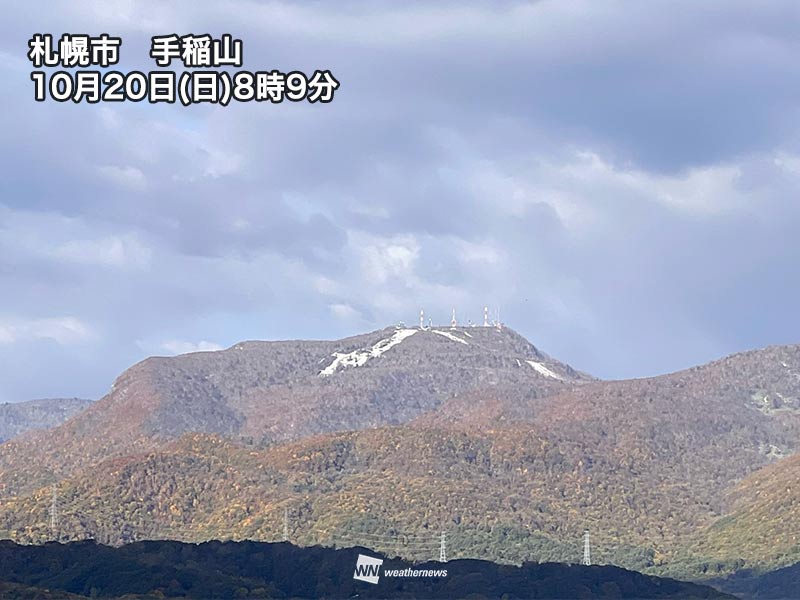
374 433
273 391
17 418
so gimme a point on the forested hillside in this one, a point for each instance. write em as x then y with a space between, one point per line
396 436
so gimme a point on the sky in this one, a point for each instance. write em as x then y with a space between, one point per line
619 179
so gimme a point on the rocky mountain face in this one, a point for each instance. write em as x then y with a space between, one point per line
18 417
393 436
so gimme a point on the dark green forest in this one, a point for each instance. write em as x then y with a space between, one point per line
163 569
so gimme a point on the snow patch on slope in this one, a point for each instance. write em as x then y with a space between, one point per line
358 358
450 336
540 368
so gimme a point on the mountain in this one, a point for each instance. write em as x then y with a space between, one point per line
278 391
18 417
396 435
253 570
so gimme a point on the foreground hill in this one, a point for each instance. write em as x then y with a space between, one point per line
18 417
253 570
780 584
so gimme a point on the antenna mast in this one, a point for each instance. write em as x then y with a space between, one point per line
421 319
443 548
286 524
498 323
453 322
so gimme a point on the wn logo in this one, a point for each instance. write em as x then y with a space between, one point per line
368 569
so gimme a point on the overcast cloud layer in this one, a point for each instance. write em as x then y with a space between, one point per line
620 178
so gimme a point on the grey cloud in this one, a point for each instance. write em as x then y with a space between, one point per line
607 174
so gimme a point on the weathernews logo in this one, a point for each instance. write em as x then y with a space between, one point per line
368 569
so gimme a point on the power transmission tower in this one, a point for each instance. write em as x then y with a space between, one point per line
54 513
443 548
286 524
587 554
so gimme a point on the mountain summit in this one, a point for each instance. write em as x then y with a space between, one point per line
279 391
287 390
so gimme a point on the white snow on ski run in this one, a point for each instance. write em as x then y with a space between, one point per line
544 370
358 358
450 336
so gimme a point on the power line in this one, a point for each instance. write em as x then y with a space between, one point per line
388 542
387 536
432 545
